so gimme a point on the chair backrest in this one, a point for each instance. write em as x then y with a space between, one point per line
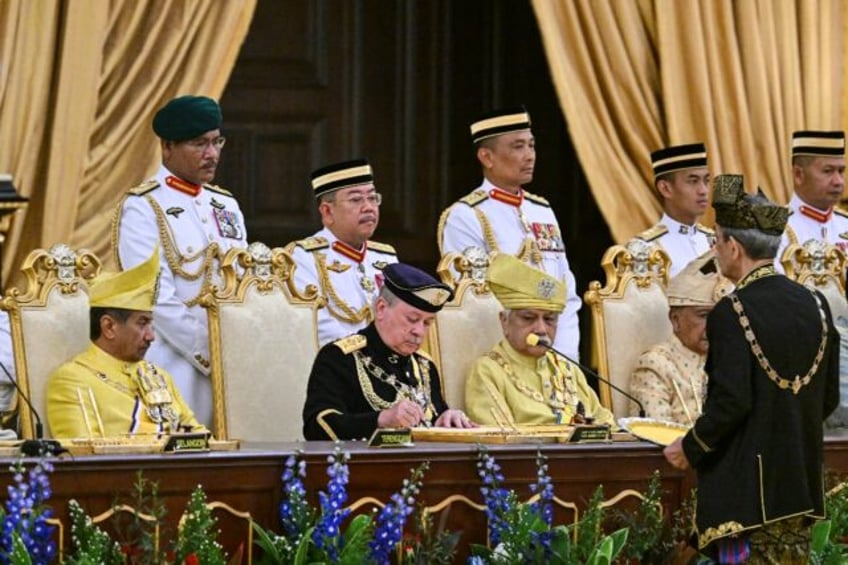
262 342
49 322
629 314
819 265
467 326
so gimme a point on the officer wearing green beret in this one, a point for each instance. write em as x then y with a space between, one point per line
194 223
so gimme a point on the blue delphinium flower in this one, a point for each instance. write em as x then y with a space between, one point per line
392 518
296 513
544 506
26 514
327 536
497 499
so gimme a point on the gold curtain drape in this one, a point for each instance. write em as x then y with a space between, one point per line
633 76
79 83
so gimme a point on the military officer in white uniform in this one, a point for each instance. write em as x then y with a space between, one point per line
682 178
194 223
501 216
340 260
818 173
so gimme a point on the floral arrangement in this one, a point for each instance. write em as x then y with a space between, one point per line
27 537
524 532
518 531
311 535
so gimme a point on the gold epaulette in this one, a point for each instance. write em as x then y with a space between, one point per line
537 199
654 232
840 212
144 187
351 343
381 247
474 198
218 189
704 229
313 243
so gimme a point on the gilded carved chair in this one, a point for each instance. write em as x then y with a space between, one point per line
629 314
820 266
467 326
49 321
262 341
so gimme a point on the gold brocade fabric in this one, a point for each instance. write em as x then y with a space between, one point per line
522 391
97 395
670 381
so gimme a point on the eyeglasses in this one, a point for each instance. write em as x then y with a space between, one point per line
358 200
201 145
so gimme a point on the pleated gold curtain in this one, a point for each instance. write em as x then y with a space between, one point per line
79 83
636 75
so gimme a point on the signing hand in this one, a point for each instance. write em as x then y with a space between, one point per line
454 419
404 414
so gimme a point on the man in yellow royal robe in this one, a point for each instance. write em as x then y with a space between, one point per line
110 390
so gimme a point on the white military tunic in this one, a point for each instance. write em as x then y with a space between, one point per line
159 209
682 242
495 220
806 222
348 279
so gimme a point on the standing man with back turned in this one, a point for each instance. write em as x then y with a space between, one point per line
682 179
194 223
501 216
773 366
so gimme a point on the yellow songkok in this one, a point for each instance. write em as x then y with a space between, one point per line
698 284
133 289
519 286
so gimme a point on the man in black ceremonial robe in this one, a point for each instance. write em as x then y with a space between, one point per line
377 378
773 367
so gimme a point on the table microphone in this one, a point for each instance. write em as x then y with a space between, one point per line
38 446
534 340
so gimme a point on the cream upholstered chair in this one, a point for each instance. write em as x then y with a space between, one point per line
49 322
821 266
467 326
629 314
262 341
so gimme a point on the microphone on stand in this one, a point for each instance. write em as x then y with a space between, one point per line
533 340
38 446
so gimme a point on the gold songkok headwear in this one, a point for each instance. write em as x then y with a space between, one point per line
734 207
519 286
133 289
818 143
698 284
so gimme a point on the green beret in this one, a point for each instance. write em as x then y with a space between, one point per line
187 117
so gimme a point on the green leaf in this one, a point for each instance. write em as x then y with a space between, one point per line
303 547
820 534
266 543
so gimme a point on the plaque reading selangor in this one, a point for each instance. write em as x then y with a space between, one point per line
590 433
187 442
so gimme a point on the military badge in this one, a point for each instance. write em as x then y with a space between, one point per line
174 211
844 235
547 236
380 265
546 288
216 204
338 267
228 224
